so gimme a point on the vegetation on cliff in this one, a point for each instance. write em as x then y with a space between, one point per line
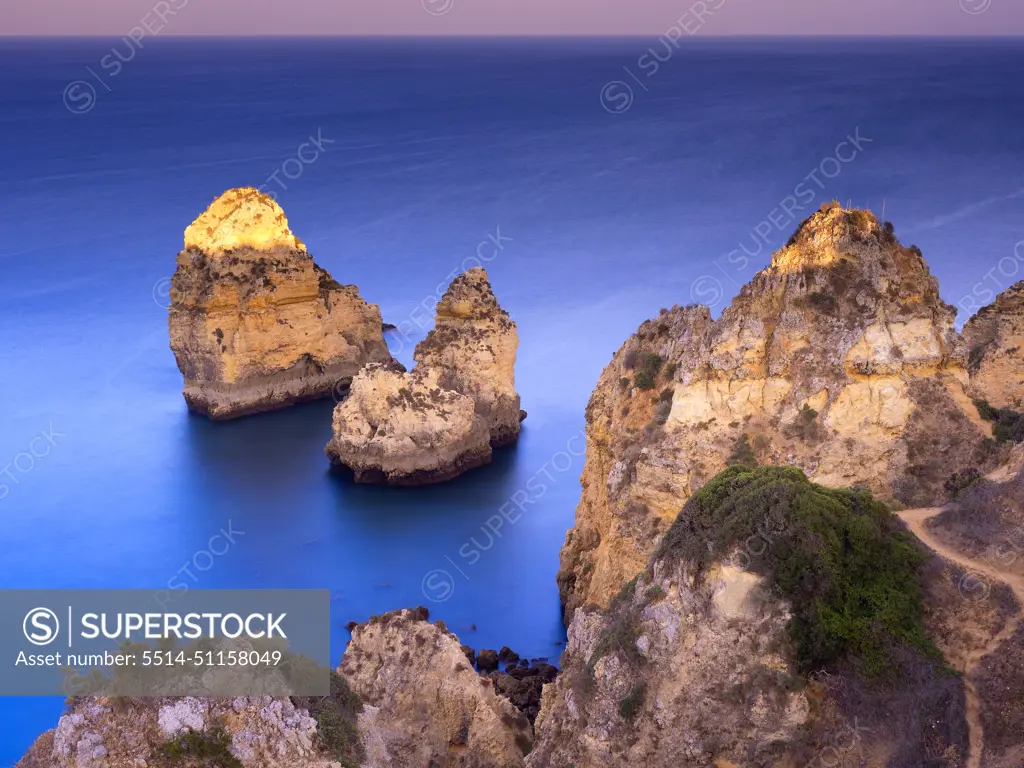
840 557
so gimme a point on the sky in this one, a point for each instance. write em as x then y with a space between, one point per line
512 17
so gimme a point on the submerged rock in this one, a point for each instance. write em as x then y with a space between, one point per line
255 324
995 338
839 358
444 417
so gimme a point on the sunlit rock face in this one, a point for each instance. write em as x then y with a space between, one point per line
840 358
995 342
255 324
445 416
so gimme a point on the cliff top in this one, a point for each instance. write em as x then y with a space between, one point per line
241 217
470 297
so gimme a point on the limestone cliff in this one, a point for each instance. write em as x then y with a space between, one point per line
995 337
839 358
744 642
429 707
444 417
255 324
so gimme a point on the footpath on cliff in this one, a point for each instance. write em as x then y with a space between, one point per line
917 521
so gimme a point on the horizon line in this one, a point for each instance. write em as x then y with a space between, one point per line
520 36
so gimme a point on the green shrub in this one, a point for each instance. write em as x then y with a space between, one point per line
986 411
742 453
840 558
633 701
206 749
335 717
1009 424
643 380
961 481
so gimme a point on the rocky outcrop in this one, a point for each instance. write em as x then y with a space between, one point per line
404 696
428 704
126 733
839 358
741 642
446 415
995 338
255 324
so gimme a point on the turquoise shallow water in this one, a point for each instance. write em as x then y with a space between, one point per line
434 151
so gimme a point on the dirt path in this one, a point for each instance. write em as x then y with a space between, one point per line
916 520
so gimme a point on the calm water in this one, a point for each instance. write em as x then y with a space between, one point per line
436 148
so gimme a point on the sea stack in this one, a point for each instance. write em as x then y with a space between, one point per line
255 324
444 417
995 337
839 358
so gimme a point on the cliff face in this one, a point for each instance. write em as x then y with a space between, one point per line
839 358
748 639
994 340
444 417
427 704
255 324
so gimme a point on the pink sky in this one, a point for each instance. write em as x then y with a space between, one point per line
511 17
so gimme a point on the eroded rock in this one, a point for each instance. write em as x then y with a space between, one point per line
995 338
839 358
444 417
255 324
432 708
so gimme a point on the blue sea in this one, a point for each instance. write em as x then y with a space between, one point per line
597 180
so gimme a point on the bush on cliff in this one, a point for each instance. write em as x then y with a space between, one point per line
1008 424
335 717
841 558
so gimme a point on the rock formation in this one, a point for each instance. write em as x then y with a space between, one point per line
405 696
444 417
839 358
743 642
428 704
995 338
255 324
126 733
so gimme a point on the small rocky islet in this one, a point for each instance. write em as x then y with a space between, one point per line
255 324
737 588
